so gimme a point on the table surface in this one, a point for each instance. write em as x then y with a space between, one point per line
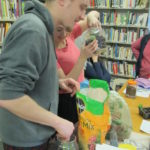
133 107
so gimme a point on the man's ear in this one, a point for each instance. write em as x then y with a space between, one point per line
61 3
64 3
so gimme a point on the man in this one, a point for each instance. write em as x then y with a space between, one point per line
28 76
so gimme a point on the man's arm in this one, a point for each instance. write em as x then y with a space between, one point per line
26 108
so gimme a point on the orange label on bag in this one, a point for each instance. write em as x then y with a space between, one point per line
93 128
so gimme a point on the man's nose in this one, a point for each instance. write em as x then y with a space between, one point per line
82 16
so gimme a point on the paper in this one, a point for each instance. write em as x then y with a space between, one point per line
107 147
142 82
141 92
145 126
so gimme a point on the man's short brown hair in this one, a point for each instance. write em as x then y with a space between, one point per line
43 1
47 0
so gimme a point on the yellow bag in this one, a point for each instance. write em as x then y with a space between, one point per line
94 116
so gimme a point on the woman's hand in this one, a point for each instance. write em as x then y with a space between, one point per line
88 50
93 19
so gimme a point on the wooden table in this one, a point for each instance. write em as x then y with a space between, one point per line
133 107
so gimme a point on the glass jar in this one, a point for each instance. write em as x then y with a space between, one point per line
131 89
98 34
113 137
68 145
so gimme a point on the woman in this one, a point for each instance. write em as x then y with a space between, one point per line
96 70
141 50
71 60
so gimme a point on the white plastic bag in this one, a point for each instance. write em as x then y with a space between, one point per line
120 115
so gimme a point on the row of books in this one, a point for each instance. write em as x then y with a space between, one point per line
119 68
118 52
11 9
123 35
119 3
4 27
124 18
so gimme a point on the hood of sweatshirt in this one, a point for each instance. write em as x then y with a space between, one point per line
37 8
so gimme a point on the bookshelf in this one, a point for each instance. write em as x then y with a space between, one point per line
122 76
117 42
124 26
116 8
7 20
123 21
10 10
118 59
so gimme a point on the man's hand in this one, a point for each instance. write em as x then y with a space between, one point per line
65 129
69 85
26 108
